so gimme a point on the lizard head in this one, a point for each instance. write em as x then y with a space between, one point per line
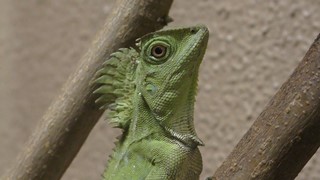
167 77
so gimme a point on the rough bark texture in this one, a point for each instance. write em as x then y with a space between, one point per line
286 134
70 118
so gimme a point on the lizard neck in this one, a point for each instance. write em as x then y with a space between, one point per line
143 123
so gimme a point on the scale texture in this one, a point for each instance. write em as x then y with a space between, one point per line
150 92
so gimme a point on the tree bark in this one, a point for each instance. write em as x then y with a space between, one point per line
70 118
286 134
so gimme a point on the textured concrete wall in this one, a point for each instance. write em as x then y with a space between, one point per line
254 46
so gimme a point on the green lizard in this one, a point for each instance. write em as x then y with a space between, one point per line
150 91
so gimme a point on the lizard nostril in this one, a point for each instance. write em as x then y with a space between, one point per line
193 30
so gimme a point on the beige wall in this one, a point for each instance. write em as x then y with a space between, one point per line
254 46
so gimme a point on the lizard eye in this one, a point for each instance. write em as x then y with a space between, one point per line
158 51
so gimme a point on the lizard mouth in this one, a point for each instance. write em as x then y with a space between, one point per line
192 56
189 60
201 35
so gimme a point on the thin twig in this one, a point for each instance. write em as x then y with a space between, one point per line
70 118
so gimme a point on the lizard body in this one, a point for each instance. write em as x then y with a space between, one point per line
150 92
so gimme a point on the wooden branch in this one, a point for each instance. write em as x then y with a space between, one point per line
286 134
68 121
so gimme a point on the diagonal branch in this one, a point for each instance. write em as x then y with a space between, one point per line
286 134
70 118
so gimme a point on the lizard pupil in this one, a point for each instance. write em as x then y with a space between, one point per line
158 51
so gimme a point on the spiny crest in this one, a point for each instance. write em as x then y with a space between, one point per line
117 86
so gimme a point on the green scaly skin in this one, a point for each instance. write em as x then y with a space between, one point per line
150 91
